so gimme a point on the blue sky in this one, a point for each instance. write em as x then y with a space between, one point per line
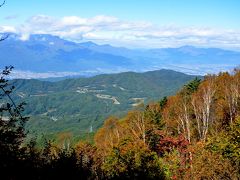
173 18
216 13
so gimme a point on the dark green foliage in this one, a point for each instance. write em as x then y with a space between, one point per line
163 102
192 86
232 150
11 127
133 163
228 144
161 156
77 112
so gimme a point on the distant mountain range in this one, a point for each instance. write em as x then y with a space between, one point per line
78 105
44 56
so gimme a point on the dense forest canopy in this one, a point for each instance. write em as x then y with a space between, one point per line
194 134
191 135
79 105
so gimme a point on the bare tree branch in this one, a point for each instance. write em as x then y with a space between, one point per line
3 37
3 3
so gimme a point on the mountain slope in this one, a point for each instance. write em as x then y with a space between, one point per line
77 104
49 54
44 54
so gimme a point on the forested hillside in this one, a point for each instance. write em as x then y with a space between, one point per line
79 106
194 134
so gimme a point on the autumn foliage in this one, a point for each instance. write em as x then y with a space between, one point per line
194 134
190 133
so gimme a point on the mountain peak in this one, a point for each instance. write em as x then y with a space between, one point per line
88 44
44 37
187 47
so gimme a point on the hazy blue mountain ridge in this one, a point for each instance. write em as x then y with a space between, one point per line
49 54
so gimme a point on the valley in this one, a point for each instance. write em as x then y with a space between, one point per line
78 105
45 56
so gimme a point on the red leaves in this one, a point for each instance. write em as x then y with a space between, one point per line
169 143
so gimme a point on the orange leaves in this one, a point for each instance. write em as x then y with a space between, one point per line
170 112
109 135
64 139
177 131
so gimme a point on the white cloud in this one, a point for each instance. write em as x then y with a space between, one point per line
8 29
24 37
107 29
17 74
73 20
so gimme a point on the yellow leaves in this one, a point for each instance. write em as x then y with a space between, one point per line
133 160
211 165
133 127
64 139
109 135
199 114
211 106
170 112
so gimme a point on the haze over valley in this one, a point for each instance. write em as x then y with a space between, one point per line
83 103
127 89
47 56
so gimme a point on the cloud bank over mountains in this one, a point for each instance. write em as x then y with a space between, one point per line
136 34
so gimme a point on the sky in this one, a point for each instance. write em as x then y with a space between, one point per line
130 23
